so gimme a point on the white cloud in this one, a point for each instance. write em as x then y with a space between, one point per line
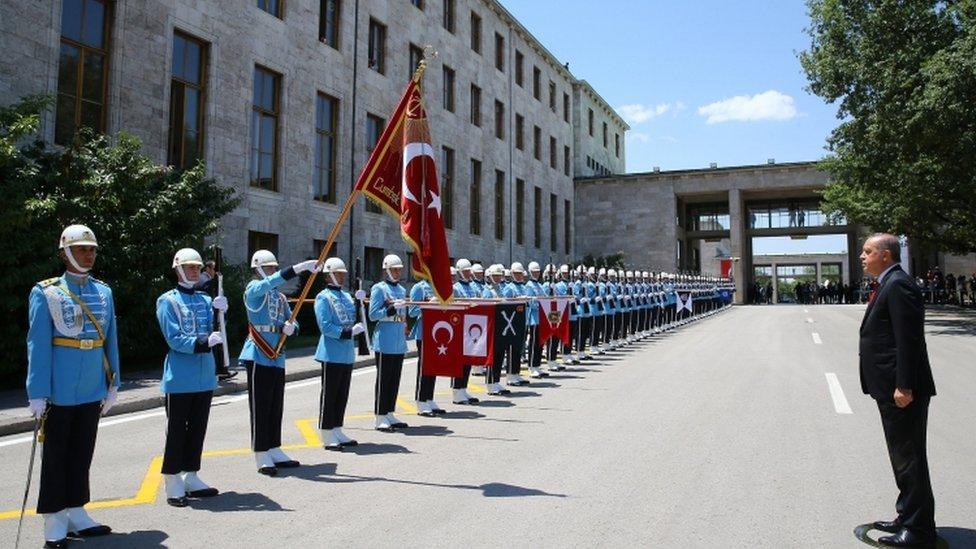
637 136
769 105
637 113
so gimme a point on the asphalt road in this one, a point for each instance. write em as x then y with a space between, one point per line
724 433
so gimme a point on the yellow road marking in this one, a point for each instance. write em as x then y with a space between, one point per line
409 408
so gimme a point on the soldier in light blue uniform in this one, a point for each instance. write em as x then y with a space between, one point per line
72 377
478 278
465 287
594 292
516 289
495 289
533 288
186 320
584 325
561 286
387 307
268 316
424 392
335 313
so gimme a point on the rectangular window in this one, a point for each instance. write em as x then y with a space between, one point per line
605 142
83 68
449 16
499 119
519 132
499 52
537 216
416 56
373 263
537 142
567 227
475 32
377 46
264 129
537 83
499 205
448 79
419 4
326 136
271 6
553 222
565 159
552 96
566 107
319 245
519 211
186 101
552 152
329 22
261 241
589 121
616 144
374 129
519 61
474 208
447 187
475 105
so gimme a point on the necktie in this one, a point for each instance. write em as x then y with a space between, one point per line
873 293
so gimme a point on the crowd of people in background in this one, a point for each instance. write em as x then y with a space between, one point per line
948 289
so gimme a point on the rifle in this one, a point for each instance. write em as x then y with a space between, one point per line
362 340
218 259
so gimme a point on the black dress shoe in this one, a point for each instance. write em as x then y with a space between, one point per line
399 425
907 538
348 443
505 392
177 502
473 400
463 402
890 526
389 429
226 374
94 531
334 447
439 411
290 464
204 493
58 544
269 471
427 413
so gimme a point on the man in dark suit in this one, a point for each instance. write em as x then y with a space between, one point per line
895 371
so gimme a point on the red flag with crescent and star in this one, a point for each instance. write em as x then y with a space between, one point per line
401 176
453 338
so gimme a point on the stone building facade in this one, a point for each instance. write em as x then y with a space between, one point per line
283 99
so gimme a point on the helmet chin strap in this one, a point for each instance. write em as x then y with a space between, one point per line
261 272
182 277
73 262
333 279
389 276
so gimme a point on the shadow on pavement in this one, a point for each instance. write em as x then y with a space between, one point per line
544 385
495 404
370 448
138 538
956 537
425 431
489 490
232 501
463 415
521 394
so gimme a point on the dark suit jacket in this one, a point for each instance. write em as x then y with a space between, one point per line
892 347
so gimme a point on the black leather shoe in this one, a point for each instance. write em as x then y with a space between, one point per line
269 471
336 447
427 413
226 374
205 493
348 443
473 400
94 531
177 502
290 464
58 544
439 411
389 429
890 526
906 538
463 402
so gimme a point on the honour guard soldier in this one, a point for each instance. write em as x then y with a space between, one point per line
387 307
561 287
606 310
495 290
267 318
478 275
584 324
72 377
593 293
464 288
424 393
335 313
530 288
517 289
186 319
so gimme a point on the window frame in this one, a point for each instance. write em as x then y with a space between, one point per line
276 114
201 88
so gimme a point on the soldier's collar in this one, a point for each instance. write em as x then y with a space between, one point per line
184 290
79 279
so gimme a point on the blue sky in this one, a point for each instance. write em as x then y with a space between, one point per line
699 82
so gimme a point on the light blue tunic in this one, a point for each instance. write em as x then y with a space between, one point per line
186 319
389 335
335 313
267 307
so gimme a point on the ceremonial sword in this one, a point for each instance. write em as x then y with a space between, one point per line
38 437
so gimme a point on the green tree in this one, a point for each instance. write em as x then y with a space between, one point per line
141 213
903 74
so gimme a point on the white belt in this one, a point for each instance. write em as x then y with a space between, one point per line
267 328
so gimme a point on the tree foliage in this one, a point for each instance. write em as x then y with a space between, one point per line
903 75
141 213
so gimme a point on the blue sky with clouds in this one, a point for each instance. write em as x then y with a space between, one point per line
699 82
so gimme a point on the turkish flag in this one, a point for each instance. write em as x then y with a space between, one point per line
478 334
442 342
554 319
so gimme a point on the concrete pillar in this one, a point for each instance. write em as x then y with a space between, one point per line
775 285
737 237
819 281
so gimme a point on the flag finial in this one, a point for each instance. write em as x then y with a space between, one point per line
429 55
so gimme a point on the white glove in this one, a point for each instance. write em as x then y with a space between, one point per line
584 300
214 339
310 265
360 295
220 303
598 299
399 303
109 400
288 328
358 328
36 406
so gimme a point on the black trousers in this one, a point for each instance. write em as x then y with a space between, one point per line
66 456
461 382
905 432
493 371
266 402
618 324
186 426
425 384
515 359
574 327
598 323
552 345
582 333
388 370
336 378
535 347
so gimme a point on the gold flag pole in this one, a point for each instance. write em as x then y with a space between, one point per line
346 208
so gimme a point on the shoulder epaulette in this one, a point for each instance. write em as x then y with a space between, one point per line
49 282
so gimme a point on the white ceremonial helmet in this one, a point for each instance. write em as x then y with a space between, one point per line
495 270
646 274
392 261
591 271
76 235
477 268
261 259
612 273
602 271
334 265
534 267
186 256
564 269
518 268
508 272
462 264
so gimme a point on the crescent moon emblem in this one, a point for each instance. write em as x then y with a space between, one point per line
442 325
